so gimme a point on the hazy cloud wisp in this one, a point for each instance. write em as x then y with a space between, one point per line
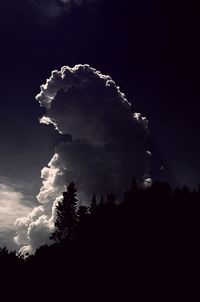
55 8
12 206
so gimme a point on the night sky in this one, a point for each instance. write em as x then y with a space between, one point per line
149 48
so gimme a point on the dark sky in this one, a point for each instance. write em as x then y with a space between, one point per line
151 50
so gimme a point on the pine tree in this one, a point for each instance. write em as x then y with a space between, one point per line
66 216
101 200
93 205
132 191
82 213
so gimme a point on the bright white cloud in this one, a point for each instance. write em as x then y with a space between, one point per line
35 229
108 144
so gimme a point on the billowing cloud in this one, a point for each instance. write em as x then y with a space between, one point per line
108 144
12 206
35 229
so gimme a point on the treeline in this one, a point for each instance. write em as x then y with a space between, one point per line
146 245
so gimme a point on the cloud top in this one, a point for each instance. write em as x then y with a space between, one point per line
87 104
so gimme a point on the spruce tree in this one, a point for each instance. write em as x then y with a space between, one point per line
93 205
82 213
66 216
101 200
132 191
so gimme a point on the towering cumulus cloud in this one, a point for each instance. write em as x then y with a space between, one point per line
107 148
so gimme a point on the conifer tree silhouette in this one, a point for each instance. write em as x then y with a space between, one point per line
66 216
101 200
131 191
82 213
93 205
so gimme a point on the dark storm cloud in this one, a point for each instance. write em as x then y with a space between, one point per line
108 145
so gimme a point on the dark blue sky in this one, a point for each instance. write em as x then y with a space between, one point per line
151 50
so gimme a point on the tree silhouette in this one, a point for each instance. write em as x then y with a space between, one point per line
150 237
131 191
66 216
101 200
93 205
82 213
